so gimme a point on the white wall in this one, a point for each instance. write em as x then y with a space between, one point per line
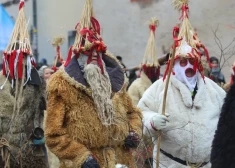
124 24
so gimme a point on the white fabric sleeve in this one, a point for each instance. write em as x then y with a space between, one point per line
149 104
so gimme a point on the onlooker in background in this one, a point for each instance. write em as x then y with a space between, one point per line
46 72
120 60
228 85
43 62
216 74
132 75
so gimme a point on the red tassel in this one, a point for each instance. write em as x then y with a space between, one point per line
206 53
20 65
54 68
21 4
33 63
69 56
185 11
11 63
152 28
58 51
95 24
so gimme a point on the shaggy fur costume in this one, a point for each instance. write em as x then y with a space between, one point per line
191 126
138 87
73 130
223 147
17 132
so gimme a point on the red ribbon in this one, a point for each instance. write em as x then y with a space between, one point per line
95 24
206 53
11 63
185 11
54 68
69 56
152 28
33 63
58 51
20 65
175 36
21 5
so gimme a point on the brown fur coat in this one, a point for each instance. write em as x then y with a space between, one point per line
73 130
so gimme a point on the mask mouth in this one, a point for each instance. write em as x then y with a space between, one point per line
189 72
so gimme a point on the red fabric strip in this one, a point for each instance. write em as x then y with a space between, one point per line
21 5
69 56
11 63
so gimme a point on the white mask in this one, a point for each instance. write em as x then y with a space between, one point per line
180 73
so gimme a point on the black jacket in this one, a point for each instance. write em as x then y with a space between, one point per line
223 147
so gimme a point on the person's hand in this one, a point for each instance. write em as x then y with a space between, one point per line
90 163
159 122
132 140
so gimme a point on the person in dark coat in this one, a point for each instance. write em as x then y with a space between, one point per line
223 147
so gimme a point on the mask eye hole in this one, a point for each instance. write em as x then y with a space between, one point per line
191 61
183 62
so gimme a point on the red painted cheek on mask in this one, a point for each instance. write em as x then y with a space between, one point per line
189 72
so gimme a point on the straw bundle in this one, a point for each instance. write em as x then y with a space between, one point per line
179 3
150 57
57 42
189 39
85 22
20 35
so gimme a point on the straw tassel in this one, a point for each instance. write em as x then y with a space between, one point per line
57 42
178 4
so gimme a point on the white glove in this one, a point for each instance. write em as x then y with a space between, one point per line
159 121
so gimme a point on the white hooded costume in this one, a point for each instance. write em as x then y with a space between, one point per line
189 133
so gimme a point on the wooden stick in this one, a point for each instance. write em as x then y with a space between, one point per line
164 103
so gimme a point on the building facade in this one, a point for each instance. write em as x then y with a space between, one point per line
124 24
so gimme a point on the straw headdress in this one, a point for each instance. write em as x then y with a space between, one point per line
17 58
187 42
150 57
150 64
88 38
